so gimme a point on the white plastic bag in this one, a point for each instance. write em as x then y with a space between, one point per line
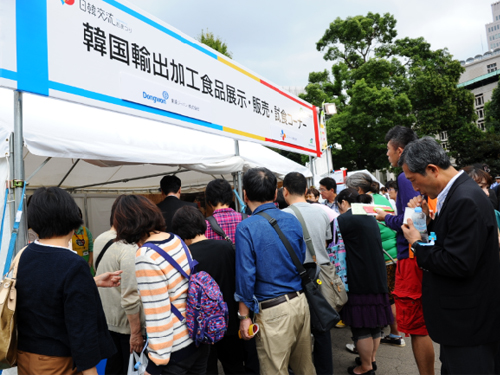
137 363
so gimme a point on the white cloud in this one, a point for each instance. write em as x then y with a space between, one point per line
277 38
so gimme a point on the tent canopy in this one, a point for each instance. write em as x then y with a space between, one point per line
118 147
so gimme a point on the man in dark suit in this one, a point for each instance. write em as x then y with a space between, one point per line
461 283
170 187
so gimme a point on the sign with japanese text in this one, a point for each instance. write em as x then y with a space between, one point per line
109 54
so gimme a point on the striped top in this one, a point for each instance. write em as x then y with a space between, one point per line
160 284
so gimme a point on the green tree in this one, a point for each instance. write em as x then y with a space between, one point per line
208 38
377 82
492 112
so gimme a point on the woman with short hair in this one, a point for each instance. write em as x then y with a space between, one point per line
217 258
161 286
61 324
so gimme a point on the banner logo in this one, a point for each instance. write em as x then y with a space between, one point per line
69 2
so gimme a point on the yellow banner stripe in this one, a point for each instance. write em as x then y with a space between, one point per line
237 68
245 134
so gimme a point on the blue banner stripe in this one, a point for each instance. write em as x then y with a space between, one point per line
32 54
116 101
9 74
156 25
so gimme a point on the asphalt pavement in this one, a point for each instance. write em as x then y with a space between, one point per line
391 360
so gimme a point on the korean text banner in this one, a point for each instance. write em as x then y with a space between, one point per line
109 54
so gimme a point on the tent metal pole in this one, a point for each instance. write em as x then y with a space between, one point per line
38 169
239 173
126 180
236 201
67 174
10 201
18 180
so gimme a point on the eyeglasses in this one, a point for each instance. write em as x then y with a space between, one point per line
391 189
323 190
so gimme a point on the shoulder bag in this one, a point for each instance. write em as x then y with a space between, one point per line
101 254
323 315
8 328
217 228
331 285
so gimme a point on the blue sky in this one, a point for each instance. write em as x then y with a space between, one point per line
277 38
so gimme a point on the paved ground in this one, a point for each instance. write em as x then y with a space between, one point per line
390 360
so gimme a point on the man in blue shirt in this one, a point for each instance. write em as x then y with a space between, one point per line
267 282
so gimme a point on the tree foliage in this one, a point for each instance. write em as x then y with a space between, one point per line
208 38
473 146
377 82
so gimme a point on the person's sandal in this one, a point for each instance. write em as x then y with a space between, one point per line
358 362
350 370
351 348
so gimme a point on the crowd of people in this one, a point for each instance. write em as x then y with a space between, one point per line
446 291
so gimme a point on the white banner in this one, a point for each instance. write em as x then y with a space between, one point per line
110 54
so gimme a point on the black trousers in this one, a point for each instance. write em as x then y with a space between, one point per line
322 353
118 363
230 351
472 360
195 364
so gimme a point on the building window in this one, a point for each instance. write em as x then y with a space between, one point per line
491 67
481 126
480 114
443 136
444 145
479 100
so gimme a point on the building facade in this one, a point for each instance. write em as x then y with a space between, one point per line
493 28
481 78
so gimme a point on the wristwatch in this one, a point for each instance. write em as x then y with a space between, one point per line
414 246
241 317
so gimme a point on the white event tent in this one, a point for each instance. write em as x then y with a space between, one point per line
98 154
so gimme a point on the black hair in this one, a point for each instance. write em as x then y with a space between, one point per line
170 184
280 199
260 184
313 191
295 183
392 184
400 136
219 191
188 222
53 213
329 183
350 195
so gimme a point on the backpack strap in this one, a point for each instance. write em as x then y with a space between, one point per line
101 254
217 229
192 264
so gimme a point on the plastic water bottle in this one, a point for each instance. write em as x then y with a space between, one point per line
420 223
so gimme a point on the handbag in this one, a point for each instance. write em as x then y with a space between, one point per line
323 315
331 285
137 363
8 328
337 254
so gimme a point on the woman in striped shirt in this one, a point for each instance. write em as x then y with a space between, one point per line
171 351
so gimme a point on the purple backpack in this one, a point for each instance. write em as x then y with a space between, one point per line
206 311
